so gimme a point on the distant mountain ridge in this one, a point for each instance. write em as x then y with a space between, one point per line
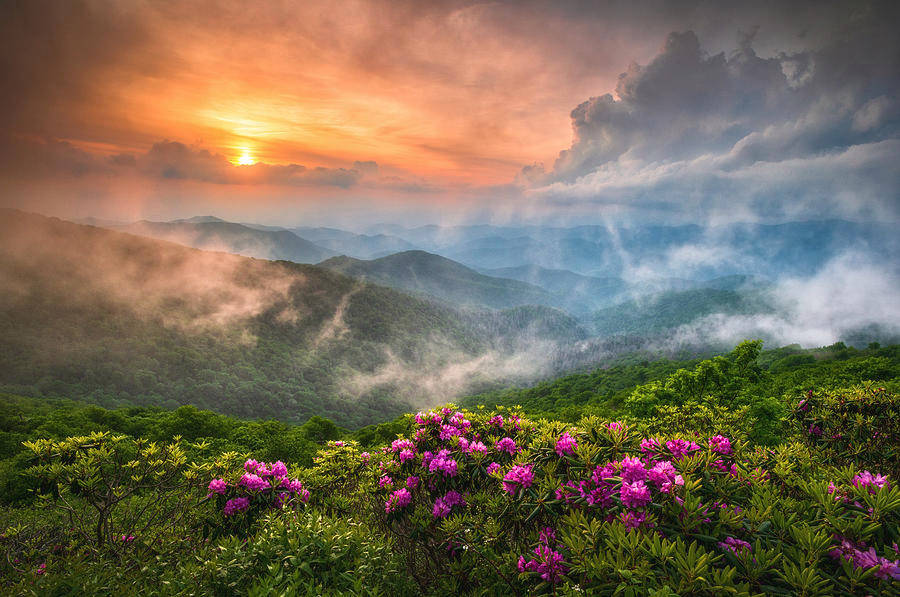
442 278
211 234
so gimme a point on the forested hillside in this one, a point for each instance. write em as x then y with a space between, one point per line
124 320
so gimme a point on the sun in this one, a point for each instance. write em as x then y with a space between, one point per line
246 159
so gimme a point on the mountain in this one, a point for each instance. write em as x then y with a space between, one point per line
660 313
211 234
426 273
689 251
575 293
119 320
360 246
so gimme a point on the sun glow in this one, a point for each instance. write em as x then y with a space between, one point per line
246 159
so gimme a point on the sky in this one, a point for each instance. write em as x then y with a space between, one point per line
355 112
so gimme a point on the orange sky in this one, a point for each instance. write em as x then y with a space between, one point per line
454 93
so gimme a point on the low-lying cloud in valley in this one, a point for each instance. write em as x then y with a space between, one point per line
852 296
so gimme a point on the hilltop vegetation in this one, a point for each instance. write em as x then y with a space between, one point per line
673 491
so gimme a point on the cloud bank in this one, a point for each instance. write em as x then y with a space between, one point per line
740 136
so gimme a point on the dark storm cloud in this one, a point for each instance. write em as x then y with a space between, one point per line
815 130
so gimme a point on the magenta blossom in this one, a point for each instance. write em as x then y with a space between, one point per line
235 505
253 482
734 545
518 476
634 495
681 448
720 444
566 444
633 469
399 499
506 444
873 482
217 486
493 468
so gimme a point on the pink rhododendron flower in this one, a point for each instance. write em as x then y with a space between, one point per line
681 448
385 481
235 505
566 444
649 446
279 469
217 486
398 445
634 495
253 482
477 448
444 463
399 499
720 444
518 476
873 482
506 444
493 468
633 469
734 545
412 482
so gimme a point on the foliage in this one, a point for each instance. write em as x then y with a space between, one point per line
858 425
113 489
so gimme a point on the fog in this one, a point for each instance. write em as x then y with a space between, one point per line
853 294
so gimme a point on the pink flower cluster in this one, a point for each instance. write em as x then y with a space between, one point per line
443 505
235 505
566 445
399 499
253 482
873 482
548 562
734 545
853 553
259 480
518 476
443 463
680 448
217 486
720 444
635 495
506 444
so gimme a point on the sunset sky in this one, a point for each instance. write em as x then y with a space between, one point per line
366 111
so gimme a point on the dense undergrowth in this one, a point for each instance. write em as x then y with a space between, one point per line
703 483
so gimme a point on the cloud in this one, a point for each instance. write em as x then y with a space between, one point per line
853 294
806 133
169 160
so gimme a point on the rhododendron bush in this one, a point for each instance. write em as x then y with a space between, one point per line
478 502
